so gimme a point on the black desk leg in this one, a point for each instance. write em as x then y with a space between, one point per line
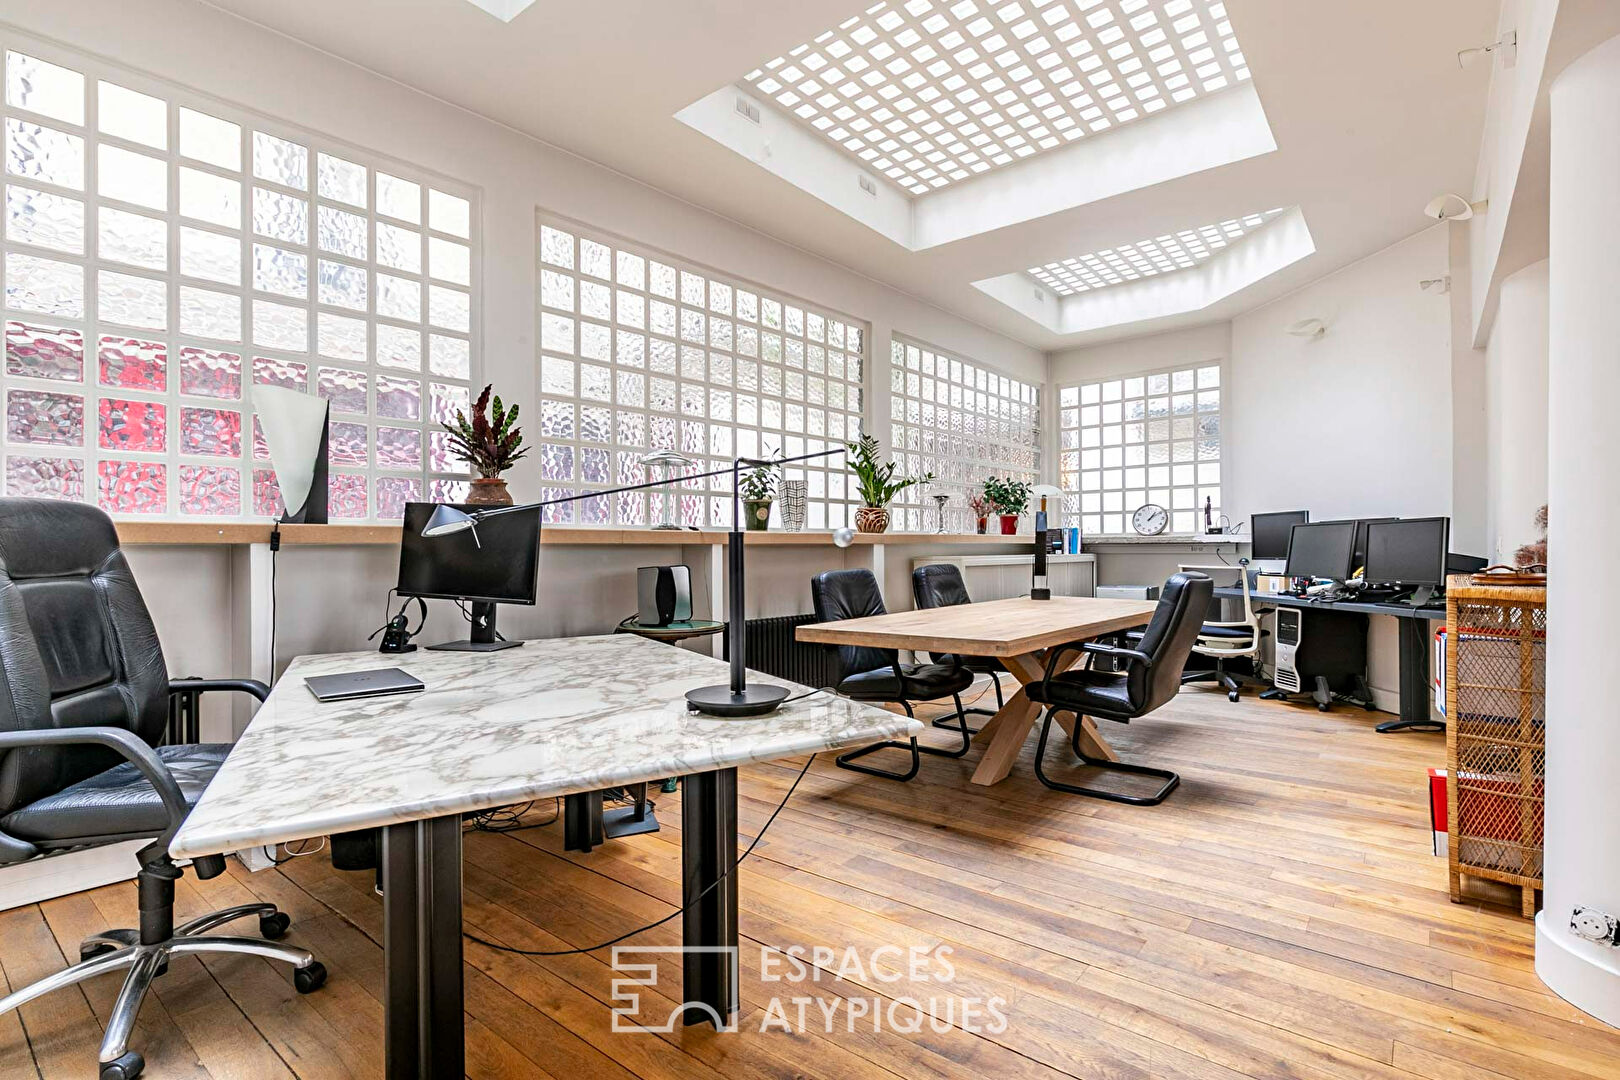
422 992
1415 687
709 928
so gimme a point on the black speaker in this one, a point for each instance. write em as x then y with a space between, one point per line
664 594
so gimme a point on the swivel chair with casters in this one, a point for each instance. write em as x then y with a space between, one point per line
940 585
1224 641
877 675
83 698
1151 677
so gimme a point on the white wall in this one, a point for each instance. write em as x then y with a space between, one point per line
1516 411
331 598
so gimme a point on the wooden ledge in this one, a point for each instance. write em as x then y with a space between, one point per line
200 533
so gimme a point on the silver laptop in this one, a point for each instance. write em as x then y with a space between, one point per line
363 684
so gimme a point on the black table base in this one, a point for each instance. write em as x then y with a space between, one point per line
423 999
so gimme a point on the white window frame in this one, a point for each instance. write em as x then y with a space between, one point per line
1100 493
437 477
831 499
992 428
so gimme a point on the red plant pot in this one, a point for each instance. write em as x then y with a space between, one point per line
1009 524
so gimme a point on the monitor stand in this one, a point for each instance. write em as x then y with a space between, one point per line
1420 596
483 633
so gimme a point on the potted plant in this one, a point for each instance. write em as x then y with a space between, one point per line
980 507
758 489
1009 497
875 482
491 442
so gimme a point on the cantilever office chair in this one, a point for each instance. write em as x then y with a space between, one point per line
1223 641
877 675
84 696
940 585
1151 677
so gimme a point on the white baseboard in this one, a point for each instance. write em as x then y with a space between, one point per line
75 871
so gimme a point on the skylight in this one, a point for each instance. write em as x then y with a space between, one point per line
928 92
1145 258
504 10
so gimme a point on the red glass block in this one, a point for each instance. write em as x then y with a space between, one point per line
266 493
133 364
210 489
210 432
133 425
132 487
346 495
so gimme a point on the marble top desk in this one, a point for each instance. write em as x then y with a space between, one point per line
552 718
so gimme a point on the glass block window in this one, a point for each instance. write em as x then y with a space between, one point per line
961 421
164 253
641 351
1156 438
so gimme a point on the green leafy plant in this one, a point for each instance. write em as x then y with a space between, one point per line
1007 495
491 442
759 483
874 477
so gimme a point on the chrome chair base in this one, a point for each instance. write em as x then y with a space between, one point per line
116 950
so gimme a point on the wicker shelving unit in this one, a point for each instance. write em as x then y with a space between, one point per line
1496 757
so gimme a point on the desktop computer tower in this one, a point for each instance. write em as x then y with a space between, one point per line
1320 644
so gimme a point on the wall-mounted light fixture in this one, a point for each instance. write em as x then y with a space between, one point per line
1505 48
1450 206
1436 285
1309 329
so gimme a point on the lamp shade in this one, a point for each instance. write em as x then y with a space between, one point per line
294 426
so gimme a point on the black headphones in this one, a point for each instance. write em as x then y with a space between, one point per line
396 634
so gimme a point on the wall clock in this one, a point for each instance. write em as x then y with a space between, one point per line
1150 520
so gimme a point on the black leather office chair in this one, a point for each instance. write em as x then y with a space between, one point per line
940 585
84 697
1151 677
868 674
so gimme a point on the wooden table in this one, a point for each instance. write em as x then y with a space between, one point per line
1018 632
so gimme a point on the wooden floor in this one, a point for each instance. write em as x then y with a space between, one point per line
1280 916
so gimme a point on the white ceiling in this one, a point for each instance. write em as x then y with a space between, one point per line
1370 112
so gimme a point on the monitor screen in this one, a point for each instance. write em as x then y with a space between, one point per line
1322 550
1269 533
1358 559
1410 552
501 565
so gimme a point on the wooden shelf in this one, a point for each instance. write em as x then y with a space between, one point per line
199 533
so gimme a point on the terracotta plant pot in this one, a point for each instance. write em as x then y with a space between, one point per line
757 514
489 491
1009 524
983 522
872 519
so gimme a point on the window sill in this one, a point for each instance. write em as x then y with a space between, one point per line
195 533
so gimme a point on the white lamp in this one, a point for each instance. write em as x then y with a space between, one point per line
295 430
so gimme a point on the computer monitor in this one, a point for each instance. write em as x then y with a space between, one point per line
1409 552
1358 558
497 562
1321 550
1268 533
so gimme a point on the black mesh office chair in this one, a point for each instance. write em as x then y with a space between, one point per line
84 697
1151 677
941 585
868 674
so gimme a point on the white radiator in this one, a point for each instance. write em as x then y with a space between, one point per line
996 577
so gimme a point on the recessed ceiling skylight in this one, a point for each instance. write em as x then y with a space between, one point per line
929 92
504 10
1145 258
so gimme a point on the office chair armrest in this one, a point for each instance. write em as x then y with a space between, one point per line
133 750
1114 650
202 686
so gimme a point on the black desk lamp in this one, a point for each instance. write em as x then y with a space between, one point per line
738 697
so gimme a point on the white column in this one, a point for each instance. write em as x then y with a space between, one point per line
1516 407
1583 716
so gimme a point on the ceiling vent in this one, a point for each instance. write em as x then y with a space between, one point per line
747 109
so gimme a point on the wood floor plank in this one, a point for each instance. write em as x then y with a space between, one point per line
1280 917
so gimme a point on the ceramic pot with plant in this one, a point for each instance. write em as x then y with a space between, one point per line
1009 498
758 491
980 506
491 442
876 484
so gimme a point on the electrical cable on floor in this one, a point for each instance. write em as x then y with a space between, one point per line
681 911
504 819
